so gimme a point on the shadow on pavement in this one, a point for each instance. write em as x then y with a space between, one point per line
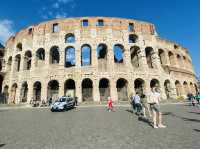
128 110
195 112
197 130
1 145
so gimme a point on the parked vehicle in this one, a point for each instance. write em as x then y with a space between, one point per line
63 104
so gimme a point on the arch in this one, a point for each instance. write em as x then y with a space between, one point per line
87 90
70 57
139 86
133 38
135 51
179 59
5 94
53 89
54 55
122 89
9 63
118 51
86 55
17 62
24 92
155 83
37 91
178 88
192 88
149 56
69 38
19 46
102 57
40 54
13 93
161 54
104 89
167 86
186 88
70 88
171 58
27 60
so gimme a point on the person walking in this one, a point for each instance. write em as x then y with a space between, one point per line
110 104
153 100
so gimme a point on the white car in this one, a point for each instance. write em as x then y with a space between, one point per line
63 103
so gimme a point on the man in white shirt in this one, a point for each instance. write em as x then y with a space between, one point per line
153 100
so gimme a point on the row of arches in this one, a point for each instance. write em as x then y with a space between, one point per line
87 89
102 56
185 88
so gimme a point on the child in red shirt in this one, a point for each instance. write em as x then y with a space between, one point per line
110 104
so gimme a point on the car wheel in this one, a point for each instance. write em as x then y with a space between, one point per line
52 110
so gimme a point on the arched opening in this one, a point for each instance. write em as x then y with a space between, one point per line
1 82
155 83
5 94
122 89
179 60
161 55
118 53
171 59
87 90
24 92
167 88
37 91
9 63
70 57
133 38
139 86
54 55
186 88
178 88
13 93
135 51
17 62
40 54
53 89
104 89
69 38
27 60
19 47
70 88
86 55
102 57
149 56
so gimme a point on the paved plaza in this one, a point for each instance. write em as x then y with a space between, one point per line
95 128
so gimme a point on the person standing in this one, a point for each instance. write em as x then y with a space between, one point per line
153 100
137 102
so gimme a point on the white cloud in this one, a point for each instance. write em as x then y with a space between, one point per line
6 30
57 9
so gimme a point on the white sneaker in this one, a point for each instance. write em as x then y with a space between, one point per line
155 126
162 126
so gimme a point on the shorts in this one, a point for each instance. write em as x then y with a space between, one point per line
155 107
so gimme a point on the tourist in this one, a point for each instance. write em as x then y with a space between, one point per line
145 106
50 101
110 104
138 105
153 100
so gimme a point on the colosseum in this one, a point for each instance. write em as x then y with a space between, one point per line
93 58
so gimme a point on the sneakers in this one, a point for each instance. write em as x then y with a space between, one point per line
162 126
155 126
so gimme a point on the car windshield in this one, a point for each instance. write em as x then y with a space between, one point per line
62 99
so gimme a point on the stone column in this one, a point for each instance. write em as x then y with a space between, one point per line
110 58
62 57
156 59
96 94
17 95
113 90
79 90
22 63
94 56
78 56
33 61
30 92
44 91
61 88
142 59
127 58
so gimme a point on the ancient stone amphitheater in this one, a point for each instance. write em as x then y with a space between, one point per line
93 58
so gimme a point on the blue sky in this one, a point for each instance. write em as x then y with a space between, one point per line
176 20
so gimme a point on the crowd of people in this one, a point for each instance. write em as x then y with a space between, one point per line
194 99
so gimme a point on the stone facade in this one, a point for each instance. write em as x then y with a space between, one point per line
109 57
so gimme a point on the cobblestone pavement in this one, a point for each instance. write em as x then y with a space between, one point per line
96 128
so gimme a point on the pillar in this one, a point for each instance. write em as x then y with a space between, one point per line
96 94
79 90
